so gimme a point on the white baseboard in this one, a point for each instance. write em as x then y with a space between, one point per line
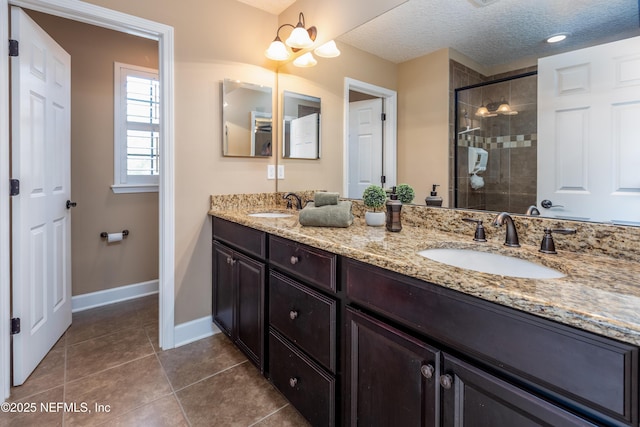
110 296
194 330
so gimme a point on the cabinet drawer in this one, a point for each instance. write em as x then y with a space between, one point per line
241 237
305 317
303 383
578 367
309 264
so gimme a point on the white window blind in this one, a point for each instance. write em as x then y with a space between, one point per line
137 129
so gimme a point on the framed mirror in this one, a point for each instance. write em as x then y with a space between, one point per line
247 119
301 126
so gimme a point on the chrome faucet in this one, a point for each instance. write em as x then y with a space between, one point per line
511 238
297 199
532 210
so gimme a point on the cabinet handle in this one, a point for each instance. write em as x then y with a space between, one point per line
230 260
446 381
427 371
294 260
293 314
293 382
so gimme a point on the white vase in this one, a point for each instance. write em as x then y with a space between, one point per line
375 219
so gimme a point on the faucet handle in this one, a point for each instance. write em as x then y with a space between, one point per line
479 235
548 246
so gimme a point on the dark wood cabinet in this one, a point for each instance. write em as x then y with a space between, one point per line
352 344
391 378
238 292
594 376
303 312
223 290
309 387
474 398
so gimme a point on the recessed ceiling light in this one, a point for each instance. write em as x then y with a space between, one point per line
557 38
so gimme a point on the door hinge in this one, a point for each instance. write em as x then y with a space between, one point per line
383 179
15 325
13 47
14 187
383 116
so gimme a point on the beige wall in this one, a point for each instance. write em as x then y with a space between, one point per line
214 40
96 265
423 124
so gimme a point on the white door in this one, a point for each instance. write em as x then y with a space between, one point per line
41 233
588 118
365 145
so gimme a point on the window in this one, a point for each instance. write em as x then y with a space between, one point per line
136 129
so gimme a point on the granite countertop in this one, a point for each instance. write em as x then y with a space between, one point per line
599 294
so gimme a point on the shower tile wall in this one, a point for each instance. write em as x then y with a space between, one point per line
511 141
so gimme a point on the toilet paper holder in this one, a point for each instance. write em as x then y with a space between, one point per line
104 234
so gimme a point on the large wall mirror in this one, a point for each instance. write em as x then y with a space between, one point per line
301 126
247 120
495 58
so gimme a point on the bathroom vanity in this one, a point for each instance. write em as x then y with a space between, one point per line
354 328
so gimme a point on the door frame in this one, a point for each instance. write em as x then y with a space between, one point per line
102 17
390 149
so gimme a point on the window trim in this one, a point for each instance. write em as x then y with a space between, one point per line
121 183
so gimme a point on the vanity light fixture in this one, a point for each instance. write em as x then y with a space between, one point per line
305 61
328 50
299 39
492 109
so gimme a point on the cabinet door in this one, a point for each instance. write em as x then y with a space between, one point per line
223 292
391 378
250 279
472 397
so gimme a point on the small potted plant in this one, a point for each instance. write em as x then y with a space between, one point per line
405 193
374 198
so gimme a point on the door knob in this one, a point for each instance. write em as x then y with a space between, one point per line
549 204
71 204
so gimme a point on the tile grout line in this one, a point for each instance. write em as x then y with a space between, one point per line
173 391
268 415
213 375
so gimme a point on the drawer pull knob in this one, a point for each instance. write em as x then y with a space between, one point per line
446 381
294 260
427 371
293 314
293 382
231 261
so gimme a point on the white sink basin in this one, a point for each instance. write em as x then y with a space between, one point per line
486 262
270 215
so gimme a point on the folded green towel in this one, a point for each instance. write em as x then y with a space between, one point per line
323 198
327 216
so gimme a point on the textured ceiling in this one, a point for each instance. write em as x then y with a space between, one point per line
275 7
501 32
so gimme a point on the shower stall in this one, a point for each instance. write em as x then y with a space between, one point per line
496 144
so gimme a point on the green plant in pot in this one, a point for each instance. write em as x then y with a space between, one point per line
405 193
374 198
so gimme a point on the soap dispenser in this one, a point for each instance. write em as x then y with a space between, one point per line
394 208
434 199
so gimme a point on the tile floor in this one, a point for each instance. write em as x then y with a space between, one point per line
109 360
